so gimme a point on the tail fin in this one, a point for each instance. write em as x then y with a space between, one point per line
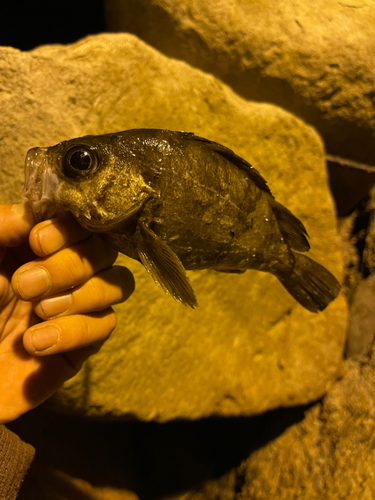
310 283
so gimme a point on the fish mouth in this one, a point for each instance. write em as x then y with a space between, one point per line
40 185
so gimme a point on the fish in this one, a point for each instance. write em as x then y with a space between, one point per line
175 201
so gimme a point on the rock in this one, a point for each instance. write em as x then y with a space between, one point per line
369 250
249 346
349 185
353 231
361 327
280 455
329 455
315 60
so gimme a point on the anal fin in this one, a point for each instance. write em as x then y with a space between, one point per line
165 267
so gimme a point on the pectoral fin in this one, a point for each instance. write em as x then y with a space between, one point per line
165 267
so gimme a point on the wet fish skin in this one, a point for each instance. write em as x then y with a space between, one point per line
176 201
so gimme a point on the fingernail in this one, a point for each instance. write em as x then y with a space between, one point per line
33 282
56 305
44 337
50 237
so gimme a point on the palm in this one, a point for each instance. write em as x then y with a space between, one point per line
29 380
15 315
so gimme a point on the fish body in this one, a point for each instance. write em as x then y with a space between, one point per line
176 202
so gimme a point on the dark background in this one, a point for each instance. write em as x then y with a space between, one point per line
25 25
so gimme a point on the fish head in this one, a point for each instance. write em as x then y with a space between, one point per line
92 177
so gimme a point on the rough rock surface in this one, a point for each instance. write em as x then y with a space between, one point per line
357 232
315 59
361 327
249 346
328 454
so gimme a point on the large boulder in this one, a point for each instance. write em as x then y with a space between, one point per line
315 59
249 346
330 454
325 452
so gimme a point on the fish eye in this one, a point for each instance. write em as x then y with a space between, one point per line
79 161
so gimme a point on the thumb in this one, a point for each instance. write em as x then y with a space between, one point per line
16 222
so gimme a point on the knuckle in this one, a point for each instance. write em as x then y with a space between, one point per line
84 266
73 267
99 294
92 255
104 250
85 330
96 327
125 282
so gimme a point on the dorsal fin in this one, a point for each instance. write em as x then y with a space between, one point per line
229 155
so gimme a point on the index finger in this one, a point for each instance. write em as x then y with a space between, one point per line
16 222
53 235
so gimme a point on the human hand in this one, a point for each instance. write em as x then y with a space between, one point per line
55 311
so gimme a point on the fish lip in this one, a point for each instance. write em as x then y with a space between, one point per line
40 184
35 157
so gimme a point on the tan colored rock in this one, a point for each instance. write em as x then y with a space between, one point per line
361 326
329 455
358 235
315 59
249 346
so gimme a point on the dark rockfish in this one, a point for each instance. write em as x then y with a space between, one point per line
175 201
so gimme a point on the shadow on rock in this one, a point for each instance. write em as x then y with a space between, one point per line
150 459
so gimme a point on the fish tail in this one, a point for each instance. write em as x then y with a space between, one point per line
310 283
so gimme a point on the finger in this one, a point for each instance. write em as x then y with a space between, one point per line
70 333
16 222
63 270
52 235
109 287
